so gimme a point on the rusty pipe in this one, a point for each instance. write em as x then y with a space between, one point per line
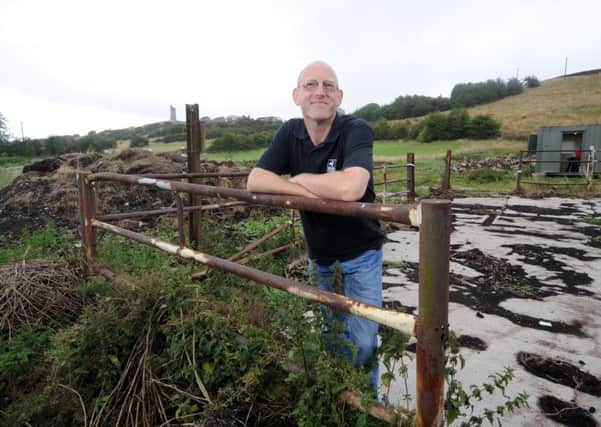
399 321
157 212
405 214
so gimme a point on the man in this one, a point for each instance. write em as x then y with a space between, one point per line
329 156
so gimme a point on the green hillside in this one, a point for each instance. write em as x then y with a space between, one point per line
566 100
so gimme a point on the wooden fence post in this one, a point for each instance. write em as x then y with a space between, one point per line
87 211
410 177
446 179
194 147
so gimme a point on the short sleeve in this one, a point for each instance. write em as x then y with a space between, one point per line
277 156
358 146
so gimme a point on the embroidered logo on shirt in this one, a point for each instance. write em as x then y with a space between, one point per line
331 165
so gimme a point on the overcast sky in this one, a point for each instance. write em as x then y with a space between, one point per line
74 66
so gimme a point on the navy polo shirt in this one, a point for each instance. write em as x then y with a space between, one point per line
329 238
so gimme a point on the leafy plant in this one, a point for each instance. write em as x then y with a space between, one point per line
459 402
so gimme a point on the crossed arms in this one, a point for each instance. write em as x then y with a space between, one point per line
348 184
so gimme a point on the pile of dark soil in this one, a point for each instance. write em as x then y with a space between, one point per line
566 413
48 189
560 372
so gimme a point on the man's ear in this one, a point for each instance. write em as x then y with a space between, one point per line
295 95
340 96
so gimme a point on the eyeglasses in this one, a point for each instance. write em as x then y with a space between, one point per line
312 85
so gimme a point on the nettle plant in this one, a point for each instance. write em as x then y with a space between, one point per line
459 401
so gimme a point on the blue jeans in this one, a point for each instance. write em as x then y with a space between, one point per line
362 277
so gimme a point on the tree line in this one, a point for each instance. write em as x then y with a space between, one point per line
403 107
463 95
55 145
439 126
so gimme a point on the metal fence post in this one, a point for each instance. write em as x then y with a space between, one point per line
432 321
410 177
446 179
590 168
519 174
87 209
194 145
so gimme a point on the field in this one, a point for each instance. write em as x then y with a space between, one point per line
8 173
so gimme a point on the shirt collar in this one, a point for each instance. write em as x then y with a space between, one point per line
300 131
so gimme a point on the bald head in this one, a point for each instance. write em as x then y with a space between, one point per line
314 66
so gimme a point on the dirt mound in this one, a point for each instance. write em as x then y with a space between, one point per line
48 189
566 413
46 165
560 372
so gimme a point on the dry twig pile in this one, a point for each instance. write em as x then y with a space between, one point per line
36 292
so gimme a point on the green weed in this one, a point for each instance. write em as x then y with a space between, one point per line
48 243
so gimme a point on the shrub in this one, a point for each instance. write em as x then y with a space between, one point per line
458 121
174 137
531 81
138 141
231 141
483 127
415 129
514 87
457 124
435 127
370 112
381 129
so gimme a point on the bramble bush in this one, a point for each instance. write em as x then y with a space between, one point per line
455 125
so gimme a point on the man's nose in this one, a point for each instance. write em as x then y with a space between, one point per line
321 89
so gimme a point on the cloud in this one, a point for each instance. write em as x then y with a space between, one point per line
126 59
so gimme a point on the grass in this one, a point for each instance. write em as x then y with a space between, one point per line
391 151
560 101
11 167
7 174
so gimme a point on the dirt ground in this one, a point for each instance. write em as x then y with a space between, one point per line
525 292
48 189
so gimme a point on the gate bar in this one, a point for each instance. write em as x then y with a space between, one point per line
400 321
405 214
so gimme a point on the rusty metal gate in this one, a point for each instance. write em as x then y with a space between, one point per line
433 217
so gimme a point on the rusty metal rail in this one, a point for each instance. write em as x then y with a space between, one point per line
400 321
432 216
405 214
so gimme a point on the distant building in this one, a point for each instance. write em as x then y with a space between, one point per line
233 118
562 145
172 116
